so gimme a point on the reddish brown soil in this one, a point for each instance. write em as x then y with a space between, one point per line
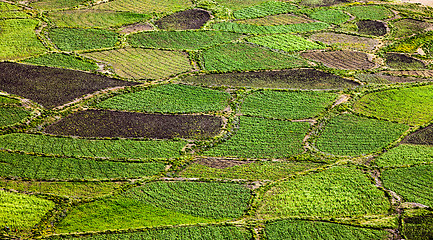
105 123
189 19
220 163
49 86
348 60
138 27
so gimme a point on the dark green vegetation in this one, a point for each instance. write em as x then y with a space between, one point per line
423 136
184 233
189 19
254 29
406 105
12 114
412 183
248 170
286 105
305 230
405 155
419 227
332 16
285 42
62 61
407 27
292 79
402 61
193 40
104 123
165 99
264 9
351 135
14 165
71 39
41 84
262 138
73 147
242 57
338 192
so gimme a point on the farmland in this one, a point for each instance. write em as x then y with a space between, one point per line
216 119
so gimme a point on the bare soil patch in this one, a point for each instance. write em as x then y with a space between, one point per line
402 61
105 123
138 27
423 136
189 19
371 27
220 163
346 41
380 78
49 86
349 60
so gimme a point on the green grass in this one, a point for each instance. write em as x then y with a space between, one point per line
280 19
11 115
63 189
351 135
241 57
405 105
121 213
414 184
239 4
8 7
13 15
286 42
405 155
370 12
305 230
19 211
264 9
8 101
406 27
61 60
56 4
412 44
138 63
261 138
169 98
145 6
200 199
184 233
253 171
332 16
95 18
191 40
18 39
258 30
115 149
286 104
418 228
336 192
14 165
72 39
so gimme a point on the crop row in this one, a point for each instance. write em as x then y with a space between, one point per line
264 9
286 42
254 29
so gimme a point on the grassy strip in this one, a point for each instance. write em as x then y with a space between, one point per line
254 29
61 60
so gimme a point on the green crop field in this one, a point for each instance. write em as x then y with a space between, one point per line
406 105
240 56
56 4
72 39
144 6
332 16
260 30
350 135
14 165
12 115
336 192
413 183
264 9
370 12
95 18
254 171
286 42
191 40
170 98
412 44
304 230
20 211
405 155
286 105
418 227
8 7
138 63
273 20
261 138
62 61
118 149
407 27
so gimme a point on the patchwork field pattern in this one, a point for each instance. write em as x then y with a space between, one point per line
264 9
72 39
260 30
332 16
370 12
341 59
273 20
346 41
285 42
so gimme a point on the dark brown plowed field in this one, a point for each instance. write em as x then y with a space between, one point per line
402 61
189 19
51 87
346 41
370 27
422 137
348 60
292 78
105 123
220 163
380 78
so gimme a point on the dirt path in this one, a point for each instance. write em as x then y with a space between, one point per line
342 99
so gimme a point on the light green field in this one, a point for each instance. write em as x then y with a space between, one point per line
19 211
169 98
405 105
72 39
350 135
18 39
370 12
62 61
264 9
261 30
332 16
262 138
145 6
12 115
405 155
286 42
138 63
280 19
336 192
56 4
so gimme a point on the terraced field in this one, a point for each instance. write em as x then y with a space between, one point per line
216 119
